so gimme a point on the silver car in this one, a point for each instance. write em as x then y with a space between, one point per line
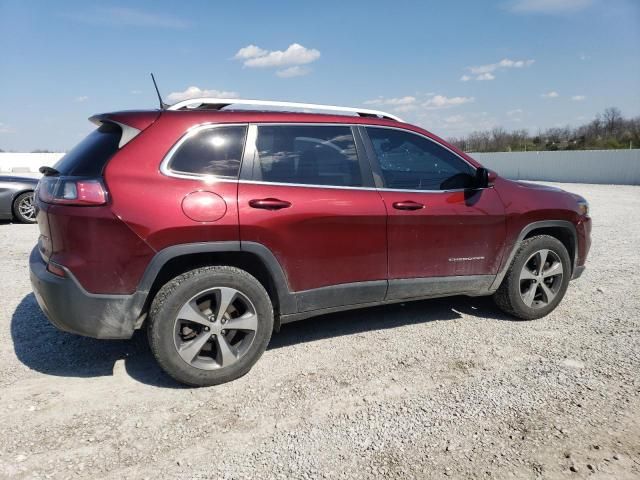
16 198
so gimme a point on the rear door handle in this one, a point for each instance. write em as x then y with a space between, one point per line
408 205
269 203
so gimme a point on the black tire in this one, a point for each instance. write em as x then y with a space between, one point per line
16 208
508 296
176 293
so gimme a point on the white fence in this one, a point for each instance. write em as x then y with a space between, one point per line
620 167
581 166
26 164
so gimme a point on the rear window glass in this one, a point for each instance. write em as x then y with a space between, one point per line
308 155
214 151
90 156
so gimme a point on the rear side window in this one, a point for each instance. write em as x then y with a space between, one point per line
214 151
89 157
310 155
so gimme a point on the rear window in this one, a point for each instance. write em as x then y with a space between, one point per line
90 156
213 151
308 155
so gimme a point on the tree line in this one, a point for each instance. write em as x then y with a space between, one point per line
608 130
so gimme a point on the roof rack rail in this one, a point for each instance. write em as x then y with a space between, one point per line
220 103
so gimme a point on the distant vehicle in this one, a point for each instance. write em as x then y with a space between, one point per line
16 198
213 227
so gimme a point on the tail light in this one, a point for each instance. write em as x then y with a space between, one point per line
72 191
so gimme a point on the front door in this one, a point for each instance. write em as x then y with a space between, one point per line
310 199
439 228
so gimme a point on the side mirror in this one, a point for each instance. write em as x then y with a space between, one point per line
485 178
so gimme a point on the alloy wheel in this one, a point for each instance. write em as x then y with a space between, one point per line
541 278
215 328
27 208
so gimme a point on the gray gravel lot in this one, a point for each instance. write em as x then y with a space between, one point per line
422 390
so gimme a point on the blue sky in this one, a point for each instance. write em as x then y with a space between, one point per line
451 67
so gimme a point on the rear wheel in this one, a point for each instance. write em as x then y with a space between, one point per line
210 325
24 208
536 280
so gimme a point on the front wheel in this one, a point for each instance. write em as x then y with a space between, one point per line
210 325
536 280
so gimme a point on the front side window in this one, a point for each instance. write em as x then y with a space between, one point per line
411 162
213 151
310 155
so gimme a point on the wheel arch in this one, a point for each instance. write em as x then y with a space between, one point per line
566 235
562 230
252 257
17 193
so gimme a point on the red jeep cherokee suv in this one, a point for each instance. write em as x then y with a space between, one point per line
212 227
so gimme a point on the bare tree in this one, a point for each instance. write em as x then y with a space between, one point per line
612 119
607 130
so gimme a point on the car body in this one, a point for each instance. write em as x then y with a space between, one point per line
12 198
327 212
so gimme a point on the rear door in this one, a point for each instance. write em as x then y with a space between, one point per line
439 228
307 194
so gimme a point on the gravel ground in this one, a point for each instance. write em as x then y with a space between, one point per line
422 390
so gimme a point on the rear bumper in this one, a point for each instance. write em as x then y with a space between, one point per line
72 309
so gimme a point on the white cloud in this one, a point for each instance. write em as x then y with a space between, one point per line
453 119
456 125
486 76
584 57
250 51
486 71
135 92
548 6
578 98
295 71
420 105
80 99
440 101
255 57
515 114
397 104
4 128
196 92
408 100
551 94
124 16
506 63
502 64
405 108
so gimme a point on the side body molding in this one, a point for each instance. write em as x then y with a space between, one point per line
298 305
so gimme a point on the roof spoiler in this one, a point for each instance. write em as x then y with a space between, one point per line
131 123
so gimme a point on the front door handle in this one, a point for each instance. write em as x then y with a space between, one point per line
408 205
269 203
